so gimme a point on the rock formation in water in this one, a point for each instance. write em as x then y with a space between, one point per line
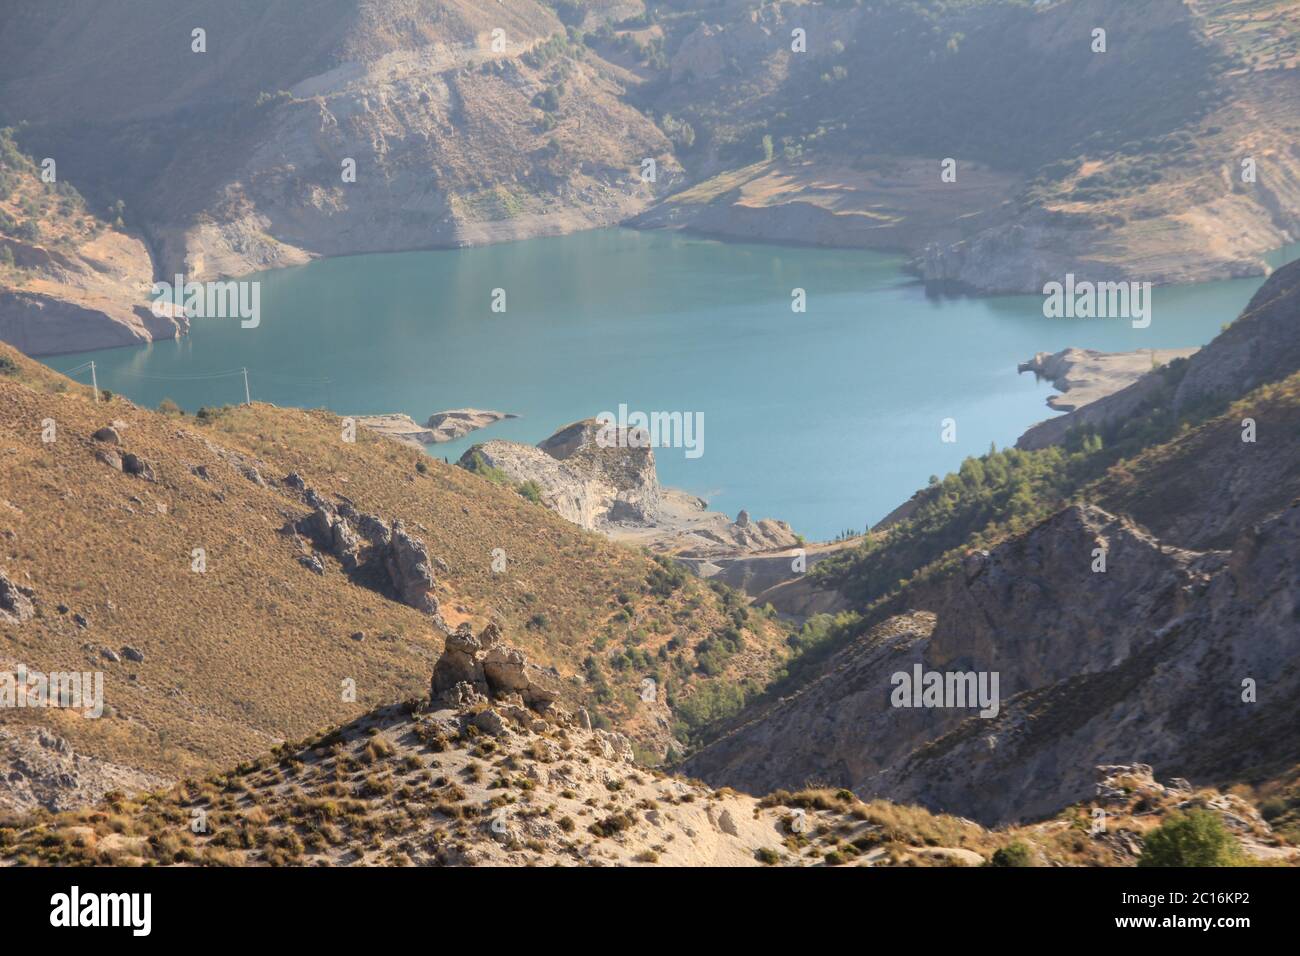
459 422
611 485
1085 375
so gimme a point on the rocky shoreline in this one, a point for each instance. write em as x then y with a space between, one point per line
440 427
615 491
1087 375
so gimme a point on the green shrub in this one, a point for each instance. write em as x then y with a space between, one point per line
1196 838
479 466
1013 854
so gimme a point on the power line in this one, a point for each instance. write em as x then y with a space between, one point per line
323 383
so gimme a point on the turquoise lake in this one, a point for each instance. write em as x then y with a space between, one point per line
827 419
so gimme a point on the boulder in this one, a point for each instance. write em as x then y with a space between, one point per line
611 746
109 457
135 465
16 605
490 722
108 434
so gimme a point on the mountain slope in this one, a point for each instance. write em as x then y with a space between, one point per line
68 278
1125 163
306 580
466 123
476 776
1161 655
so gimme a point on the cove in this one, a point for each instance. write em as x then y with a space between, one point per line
827 419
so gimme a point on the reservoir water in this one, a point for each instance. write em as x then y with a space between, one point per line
827 418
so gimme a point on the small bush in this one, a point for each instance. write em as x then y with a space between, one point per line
1013 854
1196 838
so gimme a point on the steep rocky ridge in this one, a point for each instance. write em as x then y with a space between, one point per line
1145 660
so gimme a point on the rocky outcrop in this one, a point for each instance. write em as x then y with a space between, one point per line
16 605
485 668
39 769
1153 659
590 481
387 559
409 571
609 483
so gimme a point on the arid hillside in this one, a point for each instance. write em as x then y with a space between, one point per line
489 771
302 129
1134 590
229 572
1000 143
1115 156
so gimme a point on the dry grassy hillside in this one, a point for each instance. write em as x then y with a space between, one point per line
412 785
254 650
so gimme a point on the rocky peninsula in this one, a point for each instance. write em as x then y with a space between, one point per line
616 491
441 426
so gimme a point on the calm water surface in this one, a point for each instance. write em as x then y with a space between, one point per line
827 419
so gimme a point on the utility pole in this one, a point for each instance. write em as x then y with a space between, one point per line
94 382
247 398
